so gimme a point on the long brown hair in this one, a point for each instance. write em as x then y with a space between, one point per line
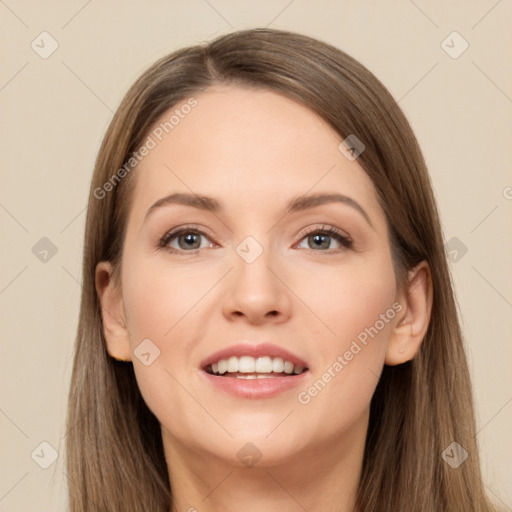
115 459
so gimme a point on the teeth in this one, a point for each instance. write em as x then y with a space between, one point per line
233 364
255 368
263 364
254 376
277 365
223 366
246 364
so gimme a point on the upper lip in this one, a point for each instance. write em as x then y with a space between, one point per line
259 350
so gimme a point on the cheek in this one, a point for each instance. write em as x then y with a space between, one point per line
360 302
360 311
158 300
350 297
159 306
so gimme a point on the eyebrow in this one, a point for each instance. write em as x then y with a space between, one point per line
300 203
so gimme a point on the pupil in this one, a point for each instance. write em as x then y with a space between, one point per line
320 238
189 240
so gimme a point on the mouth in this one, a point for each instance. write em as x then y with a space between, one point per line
254 371
247 367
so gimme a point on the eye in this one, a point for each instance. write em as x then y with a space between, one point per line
187 238
322 238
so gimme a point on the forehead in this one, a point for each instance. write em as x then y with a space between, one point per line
253 147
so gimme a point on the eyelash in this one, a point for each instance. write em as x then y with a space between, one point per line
330 231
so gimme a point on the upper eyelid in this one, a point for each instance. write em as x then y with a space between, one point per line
206 231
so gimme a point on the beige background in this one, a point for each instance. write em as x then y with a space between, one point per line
54 114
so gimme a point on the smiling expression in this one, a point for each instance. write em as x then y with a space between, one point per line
249 226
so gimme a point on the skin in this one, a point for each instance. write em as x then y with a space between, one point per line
254 150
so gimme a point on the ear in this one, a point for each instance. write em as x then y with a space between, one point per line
411 324
112 313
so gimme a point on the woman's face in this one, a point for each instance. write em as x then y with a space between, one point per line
250 278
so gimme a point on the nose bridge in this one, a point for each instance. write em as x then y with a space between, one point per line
253 257
251 249
252 236
254 289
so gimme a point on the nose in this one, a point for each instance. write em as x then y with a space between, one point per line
255 292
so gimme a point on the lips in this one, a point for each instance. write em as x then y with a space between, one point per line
255 351
253 371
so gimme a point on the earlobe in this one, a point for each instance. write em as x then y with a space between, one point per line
410 327
112 313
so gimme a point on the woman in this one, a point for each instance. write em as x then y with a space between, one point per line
267 317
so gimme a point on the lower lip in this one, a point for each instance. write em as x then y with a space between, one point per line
255 388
